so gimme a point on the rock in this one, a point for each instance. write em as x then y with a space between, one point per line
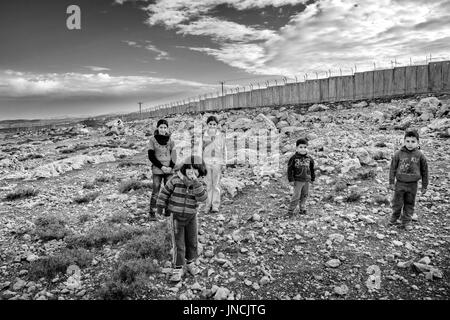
19 284
221 293
241 123
440 124
32 257
341 290
291 129
336 237
425 260
397 243
256 217
405 123
264 280
311 136
364 157
231 185
378 116
333 263
350 164
317 107
427 105
282 124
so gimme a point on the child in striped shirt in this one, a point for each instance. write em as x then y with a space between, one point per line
180 197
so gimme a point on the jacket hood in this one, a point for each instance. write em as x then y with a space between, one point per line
161 139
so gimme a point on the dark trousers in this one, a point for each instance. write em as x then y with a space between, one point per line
157 179
184 241
404 198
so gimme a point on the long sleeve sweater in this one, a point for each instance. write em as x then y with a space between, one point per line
181 198
409 166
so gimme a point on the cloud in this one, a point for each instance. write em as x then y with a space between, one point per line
162 55
328 35
221 30
25 84
95 68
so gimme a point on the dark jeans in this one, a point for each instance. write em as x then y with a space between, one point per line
184 241
404 197
157 179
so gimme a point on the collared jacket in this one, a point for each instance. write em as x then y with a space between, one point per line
160 152
301 168
409 166
181 198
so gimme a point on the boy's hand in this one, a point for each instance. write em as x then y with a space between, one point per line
424 191
166 169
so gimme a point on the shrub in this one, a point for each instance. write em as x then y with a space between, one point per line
104 178
49 267
130 184
84 217
371 174
21 193
353 197
340 186
88 197
155 244
50 227
89 185
104 234
130 270
118 217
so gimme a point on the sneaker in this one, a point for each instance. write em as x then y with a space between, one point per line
215 211
192 268
393 221
177 274
415 217
406 227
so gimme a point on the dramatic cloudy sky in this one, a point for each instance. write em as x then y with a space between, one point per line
166 50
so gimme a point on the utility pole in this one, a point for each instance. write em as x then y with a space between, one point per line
140 109
221 99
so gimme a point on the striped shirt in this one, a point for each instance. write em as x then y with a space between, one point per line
179 199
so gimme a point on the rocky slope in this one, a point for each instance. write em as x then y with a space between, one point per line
73 205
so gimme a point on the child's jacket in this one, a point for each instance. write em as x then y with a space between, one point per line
409 166
181 199
160 152
301 168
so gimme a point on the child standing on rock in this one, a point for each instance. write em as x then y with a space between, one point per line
300 173
215 157
180 197
163 160
408 166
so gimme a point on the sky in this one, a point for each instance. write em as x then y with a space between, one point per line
162 51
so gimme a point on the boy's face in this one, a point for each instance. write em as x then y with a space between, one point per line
302 148
192 173
411 143
162 129
212 125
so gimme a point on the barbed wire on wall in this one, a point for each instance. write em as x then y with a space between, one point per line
283 80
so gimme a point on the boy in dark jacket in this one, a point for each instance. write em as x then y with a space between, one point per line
408 166
180 197
163 159
300 173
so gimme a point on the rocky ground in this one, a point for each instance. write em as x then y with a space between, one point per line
74 202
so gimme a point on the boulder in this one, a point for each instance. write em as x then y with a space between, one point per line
282 124
241 123
231 185
427 105
439 124
364 157
350 164
317 107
